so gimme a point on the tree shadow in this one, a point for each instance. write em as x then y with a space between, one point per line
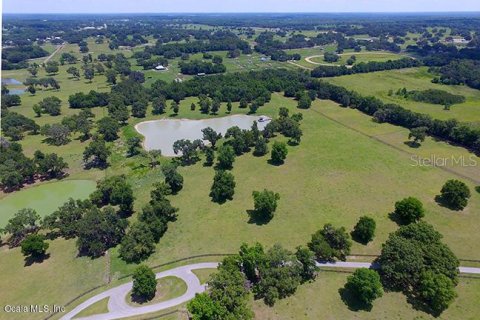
420 305
141 300
35 259
396 218
356 238
276 164
412 144
255 218
352 301
443 203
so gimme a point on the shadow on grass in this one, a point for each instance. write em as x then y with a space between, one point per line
396 218
356 238
36 259
274 163
412 144
442 203
255 218
351 300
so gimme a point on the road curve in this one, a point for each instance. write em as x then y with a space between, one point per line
118 308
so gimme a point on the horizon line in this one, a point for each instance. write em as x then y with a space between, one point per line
250 12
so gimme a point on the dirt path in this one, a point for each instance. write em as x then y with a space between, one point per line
54 53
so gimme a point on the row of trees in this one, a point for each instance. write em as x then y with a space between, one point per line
449 130
364 67
16 169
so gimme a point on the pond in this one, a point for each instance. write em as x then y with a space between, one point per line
16 91
161 134
44 198
10 81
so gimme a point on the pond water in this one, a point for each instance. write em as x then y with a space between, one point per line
16 91
161 134
10 81
44 198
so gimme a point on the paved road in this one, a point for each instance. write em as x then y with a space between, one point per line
118 308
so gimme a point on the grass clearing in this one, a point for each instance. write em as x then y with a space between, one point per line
96 308
203 274
379 84
367 56
167 288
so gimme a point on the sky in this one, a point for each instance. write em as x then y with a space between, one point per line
202 6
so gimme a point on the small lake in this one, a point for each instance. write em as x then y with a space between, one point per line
16 91
161 134
10 81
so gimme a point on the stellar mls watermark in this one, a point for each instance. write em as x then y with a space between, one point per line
33 308
437 161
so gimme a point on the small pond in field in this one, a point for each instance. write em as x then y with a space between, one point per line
44 198
16 91
10 81
161 134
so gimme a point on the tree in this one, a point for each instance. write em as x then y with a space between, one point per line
265 204
211 136
159 105
117 109
134 146
74 72
51 67
63 221
409 210
251 258
209 156
24 222
111 76
455 194
329 243
114 190
144 284
154 157
138 244
279 153
139 108
57 134
365 286
261 147
253 107
204 103
193 107
50 165
108 128
215 106
35 246
225 157
99 230
364 230
309 267
31 89
89 73
304 102
96 153
437 290
175 107
33 69
172 177
223 186
188 150
203 307
50 105
229 106
418 134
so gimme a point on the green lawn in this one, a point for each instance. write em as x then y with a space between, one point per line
44 198
203 274
366 56
96 308
167 288
378 84
321 300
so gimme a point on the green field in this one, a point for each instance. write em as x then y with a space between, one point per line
44 198
378 84
167 288
379 56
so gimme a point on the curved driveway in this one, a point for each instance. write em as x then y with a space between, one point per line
118 307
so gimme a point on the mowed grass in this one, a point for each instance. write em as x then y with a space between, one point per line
167 288
321 300
379 84
44 198
378 56
335 175
96 308
203 274
56 280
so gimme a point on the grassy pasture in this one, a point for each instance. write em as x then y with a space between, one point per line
366 56
378 84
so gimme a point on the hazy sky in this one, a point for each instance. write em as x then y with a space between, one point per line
159 6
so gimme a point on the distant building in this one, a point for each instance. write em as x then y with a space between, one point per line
160 68
201 74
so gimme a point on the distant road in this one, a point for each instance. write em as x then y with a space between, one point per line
54 53
118 307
